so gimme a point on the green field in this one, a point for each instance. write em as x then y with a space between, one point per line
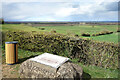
18 27
89 71
71 30
78 29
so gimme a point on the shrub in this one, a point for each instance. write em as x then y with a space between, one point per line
93 34
76 35
118 30
102 33
2 21
53 31
85 34
87 51
33 31
42 28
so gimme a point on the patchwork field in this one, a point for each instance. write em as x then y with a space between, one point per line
78 30
71 30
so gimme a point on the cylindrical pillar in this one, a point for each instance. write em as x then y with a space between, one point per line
11 49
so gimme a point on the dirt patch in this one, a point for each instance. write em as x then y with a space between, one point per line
10 71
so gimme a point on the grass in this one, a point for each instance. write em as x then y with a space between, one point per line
78 29
12 71
22 55
89 71
107 38
97 72
70 30
18 27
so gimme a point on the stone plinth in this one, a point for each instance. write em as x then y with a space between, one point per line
32 69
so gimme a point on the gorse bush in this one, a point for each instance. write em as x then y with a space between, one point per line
86 51
53 31
118 30
76 35
42 28
85 34
102 33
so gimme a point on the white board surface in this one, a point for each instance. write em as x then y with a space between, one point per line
50 59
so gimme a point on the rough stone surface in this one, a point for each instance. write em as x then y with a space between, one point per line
32 69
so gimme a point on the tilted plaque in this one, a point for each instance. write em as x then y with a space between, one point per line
51 60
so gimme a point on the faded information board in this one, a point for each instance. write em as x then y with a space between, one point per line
50 60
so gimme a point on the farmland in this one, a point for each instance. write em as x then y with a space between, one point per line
79 29
90 71
71 30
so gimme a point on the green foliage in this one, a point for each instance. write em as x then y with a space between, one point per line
118 30
3 21
107 38
76 35
102 33
69 30
89 71
42 28
87 51
85 34
98 72
53 31
18 27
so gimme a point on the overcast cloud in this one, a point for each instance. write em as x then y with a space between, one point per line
60 10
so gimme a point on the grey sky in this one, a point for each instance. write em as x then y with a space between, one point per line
60 11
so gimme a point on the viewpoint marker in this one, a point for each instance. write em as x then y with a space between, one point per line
51 60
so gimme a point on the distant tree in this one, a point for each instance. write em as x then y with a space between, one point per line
2 20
